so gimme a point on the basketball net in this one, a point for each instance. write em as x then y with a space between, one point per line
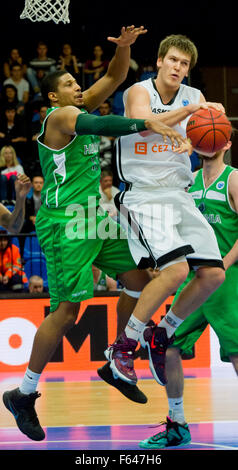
46 10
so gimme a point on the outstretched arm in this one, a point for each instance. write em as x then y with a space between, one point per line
117 69
70 120
13 221
232 256
138 107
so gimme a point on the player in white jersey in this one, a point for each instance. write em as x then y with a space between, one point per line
161 166
165 229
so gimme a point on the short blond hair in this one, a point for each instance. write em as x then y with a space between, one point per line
15 161
183 43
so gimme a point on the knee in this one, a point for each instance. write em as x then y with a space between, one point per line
178 273
70 313
183 272
135 280
213 276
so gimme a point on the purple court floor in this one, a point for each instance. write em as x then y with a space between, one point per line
205 436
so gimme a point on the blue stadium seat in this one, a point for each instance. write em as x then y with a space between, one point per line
15 242
117 104
36 267
32 249
146 76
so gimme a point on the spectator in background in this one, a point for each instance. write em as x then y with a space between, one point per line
14 57
32 204
9 97
105 108
39 67
37 123
106 143
12 276
13 131
35 127
35 284
108 192
9 168
95 68
68 61
16 79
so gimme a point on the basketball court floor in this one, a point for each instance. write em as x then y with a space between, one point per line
80 412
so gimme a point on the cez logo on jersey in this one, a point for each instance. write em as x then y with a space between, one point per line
220 185
141 148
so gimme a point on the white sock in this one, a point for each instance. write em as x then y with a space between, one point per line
134 328
176 410
30 382
170 322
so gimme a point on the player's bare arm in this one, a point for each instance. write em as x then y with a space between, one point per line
117 69
61 127
63 123
233 190
13 221
138 106
232 255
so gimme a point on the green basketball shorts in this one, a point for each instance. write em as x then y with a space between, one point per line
70 251
220 311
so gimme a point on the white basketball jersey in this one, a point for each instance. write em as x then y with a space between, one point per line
147 160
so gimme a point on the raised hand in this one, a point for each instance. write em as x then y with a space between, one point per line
128 35
22 185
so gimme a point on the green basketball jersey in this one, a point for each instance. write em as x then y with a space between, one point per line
214 204
71 174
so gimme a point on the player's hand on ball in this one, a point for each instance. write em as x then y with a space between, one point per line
184 147
154 125
192 108
217 106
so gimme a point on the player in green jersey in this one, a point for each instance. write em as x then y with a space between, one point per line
72 230
215 192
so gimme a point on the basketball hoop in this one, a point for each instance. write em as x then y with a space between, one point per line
46 10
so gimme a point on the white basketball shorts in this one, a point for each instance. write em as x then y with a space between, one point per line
164 227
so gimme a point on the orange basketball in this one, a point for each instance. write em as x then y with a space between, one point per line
209 130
